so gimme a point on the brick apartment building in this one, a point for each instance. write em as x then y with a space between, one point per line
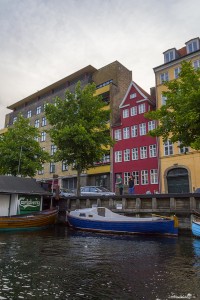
112 82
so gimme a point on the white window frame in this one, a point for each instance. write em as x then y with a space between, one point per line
126 133
154 176
176 72
169 56
52 167
43 136
118 134
41 172
133 111
152 150
151 125
141 108
126 177
163 100
143 129
196 64
29 114
135 155
144 177
65 166
134 130
143 152
118 156
44 121
38 110
37 123
53 149
127 155
136 177
168 148
125 113
133 95
164 77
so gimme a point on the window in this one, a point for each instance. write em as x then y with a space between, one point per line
163 99
14 119
36 139
164 77
118 134
196 64
126 133
53 149
154 176
176 72
125 113
132 96
151 125
152 151
127 155
134 131
134 111
43 136
136 177
169 56
144 177
192 46
143 152
29 114
183 150
37 123
143 130
126 177
38 110
135 154
44 121
118 156
141 108
106 158
41 172
52 167
64 166
168 148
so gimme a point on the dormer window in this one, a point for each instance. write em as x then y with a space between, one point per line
192 45
169 55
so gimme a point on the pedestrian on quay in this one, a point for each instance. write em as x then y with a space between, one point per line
119 184
131 186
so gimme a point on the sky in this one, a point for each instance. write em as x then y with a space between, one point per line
43 41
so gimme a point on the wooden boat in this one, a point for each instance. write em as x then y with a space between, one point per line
31 221
101 219
196 223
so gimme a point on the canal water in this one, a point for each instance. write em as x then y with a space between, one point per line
63 264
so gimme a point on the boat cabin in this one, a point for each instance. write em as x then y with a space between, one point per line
20 195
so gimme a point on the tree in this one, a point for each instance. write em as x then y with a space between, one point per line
179 118
79 128
20 152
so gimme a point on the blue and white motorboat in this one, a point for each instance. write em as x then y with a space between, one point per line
101 219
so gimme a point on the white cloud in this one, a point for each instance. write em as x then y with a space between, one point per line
44 41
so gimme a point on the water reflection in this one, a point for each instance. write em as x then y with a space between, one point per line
64 264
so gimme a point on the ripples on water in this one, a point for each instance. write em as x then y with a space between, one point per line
64 264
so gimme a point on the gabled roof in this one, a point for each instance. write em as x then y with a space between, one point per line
142 92
20 185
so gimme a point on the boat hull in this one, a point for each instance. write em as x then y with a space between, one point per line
158 227
33 221
196 228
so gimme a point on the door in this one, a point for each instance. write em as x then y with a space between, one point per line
178 181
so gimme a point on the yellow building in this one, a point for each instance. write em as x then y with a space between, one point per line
179 167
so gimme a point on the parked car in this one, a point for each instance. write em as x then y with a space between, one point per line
197 190
96 190
66 192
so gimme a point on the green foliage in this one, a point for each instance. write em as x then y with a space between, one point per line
179 119
20 153
79 127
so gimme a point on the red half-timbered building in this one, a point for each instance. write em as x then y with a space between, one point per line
135 152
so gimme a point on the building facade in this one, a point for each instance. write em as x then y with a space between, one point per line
179 167
111 82
136 153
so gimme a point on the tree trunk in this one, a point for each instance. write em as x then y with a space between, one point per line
78 182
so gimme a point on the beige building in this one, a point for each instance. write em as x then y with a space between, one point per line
179 167
111 82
